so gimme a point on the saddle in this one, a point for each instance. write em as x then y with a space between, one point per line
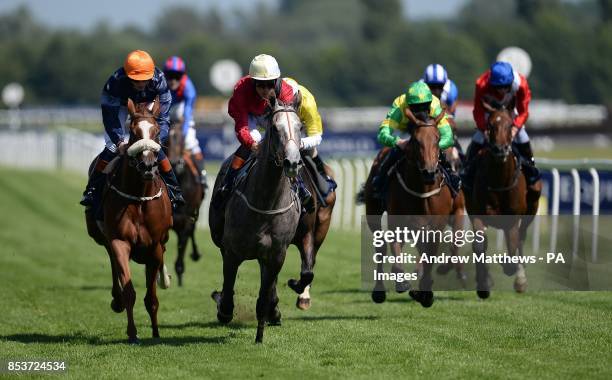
322 185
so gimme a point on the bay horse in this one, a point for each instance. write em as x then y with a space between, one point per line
186 216
416 188
311 233
261 217
501 198
137 218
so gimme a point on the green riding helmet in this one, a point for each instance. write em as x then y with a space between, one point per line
418 93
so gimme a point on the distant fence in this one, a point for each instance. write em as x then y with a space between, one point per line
570 186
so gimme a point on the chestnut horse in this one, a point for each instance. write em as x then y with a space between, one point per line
416 188
186 217
309 237
500 198
137 217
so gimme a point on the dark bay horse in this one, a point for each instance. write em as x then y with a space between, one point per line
186 217
311 233
416 188
137 218
261 217
501 198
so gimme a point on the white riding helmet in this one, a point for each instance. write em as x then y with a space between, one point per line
264 67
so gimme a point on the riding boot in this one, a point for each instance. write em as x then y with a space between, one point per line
228 182
469 169
93 191
453 176
198 160
174 189
304 195
531 171
379 182
321 169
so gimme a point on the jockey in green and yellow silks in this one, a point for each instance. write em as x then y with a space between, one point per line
425 107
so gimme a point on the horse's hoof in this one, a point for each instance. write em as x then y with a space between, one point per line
520 286
510 269
443 269
303 303
179 278
133 340
483 294
275 318
224 319
379 296
195 256
117 305
426 299
402 287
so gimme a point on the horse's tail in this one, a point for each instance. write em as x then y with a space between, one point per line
360 197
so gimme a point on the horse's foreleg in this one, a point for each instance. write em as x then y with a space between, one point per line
265 301
121 255
195 253
151 302
116 302
379 293
458 223
483 286
512 242
179 264
225 299
306 249
425 293
403 286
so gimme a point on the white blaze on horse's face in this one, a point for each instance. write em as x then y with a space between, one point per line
146 128
288 125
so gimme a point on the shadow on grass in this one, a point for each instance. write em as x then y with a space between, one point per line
234 325
34 338
334 318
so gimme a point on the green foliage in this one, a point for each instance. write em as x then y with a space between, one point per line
348 52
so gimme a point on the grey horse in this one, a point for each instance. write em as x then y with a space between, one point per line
261 217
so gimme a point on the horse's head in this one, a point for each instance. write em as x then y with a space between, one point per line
283 138
423 148
144 134
500 131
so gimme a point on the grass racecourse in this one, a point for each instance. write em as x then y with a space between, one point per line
56 293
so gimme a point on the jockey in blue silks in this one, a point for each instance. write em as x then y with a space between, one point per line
140 81
183 101
436 77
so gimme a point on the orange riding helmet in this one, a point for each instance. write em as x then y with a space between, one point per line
139 65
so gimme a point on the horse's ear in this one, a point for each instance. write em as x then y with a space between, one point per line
131 107
156 107
275 103
489 108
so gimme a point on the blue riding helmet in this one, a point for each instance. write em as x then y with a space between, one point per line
501 74
435 74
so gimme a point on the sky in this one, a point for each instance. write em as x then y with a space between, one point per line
84 14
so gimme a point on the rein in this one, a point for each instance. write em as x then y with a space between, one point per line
415 193
265 212
135 198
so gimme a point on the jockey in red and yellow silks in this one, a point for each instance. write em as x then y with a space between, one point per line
249 107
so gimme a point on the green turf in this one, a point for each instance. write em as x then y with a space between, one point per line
56 294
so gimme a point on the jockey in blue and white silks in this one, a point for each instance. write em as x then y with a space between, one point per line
442 87
183 101
140 81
